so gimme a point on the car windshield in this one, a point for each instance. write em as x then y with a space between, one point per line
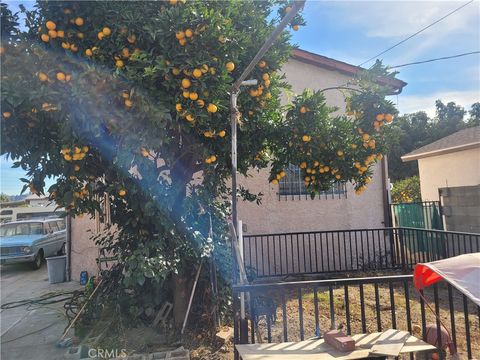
21 229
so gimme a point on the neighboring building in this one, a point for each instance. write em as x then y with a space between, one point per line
31 207
449 162
450 171
38 200
286 207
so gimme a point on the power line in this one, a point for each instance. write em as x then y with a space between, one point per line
436 59
415 34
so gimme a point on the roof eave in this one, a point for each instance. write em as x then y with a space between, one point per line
345 68
452 149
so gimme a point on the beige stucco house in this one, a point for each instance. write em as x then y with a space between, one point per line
340 210
452 161
285 207
450 172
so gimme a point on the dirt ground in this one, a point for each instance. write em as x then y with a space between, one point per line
293 321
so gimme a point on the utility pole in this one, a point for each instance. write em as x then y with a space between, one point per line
297 6
234 117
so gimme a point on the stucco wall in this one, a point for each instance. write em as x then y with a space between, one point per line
461 168
286 215
302 76
84 251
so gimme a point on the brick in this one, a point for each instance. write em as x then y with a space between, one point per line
340 341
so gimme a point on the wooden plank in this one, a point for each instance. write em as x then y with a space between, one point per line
390 343
316 349
309 349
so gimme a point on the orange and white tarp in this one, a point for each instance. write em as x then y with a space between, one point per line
462 271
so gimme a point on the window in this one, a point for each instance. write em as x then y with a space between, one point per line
35 228
293 187
46 228
53 226
61 224
21 229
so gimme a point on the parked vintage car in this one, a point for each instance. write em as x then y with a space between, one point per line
32 241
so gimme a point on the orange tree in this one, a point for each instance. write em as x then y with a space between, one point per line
128 101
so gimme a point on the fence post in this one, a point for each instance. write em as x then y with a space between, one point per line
392 247
243 318
402 248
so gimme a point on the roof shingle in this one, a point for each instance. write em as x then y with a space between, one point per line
460 140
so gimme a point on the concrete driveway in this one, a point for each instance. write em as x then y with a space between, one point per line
30 332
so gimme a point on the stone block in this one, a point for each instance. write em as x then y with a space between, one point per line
73 353
179 354
77 352
159 355
225 335
138 357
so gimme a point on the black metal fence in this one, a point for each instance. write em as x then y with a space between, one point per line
294 311
301 253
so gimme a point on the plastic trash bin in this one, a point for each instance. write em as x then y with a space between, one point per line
56 266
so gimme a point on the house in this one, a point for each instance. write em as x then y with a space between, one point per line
38 200
30 207
449 170
286 207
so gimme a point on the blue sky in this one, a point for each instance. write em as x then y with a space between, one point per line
354 31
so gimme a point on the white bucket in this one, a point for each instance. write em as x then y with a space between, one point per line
56 266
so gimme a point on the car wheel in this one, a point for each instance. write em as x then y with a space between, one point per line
37 263
61 251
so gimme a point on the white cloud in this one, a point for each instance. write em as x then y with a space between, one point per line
412 103
391 21
402 18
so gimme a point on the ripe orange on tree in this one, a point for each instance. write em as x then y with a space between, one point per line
42 76
212 108
106 31
197 73
60 76
50 25
79 21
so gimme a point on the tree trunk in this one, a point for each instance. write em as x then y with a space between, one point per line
181 296
181 175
